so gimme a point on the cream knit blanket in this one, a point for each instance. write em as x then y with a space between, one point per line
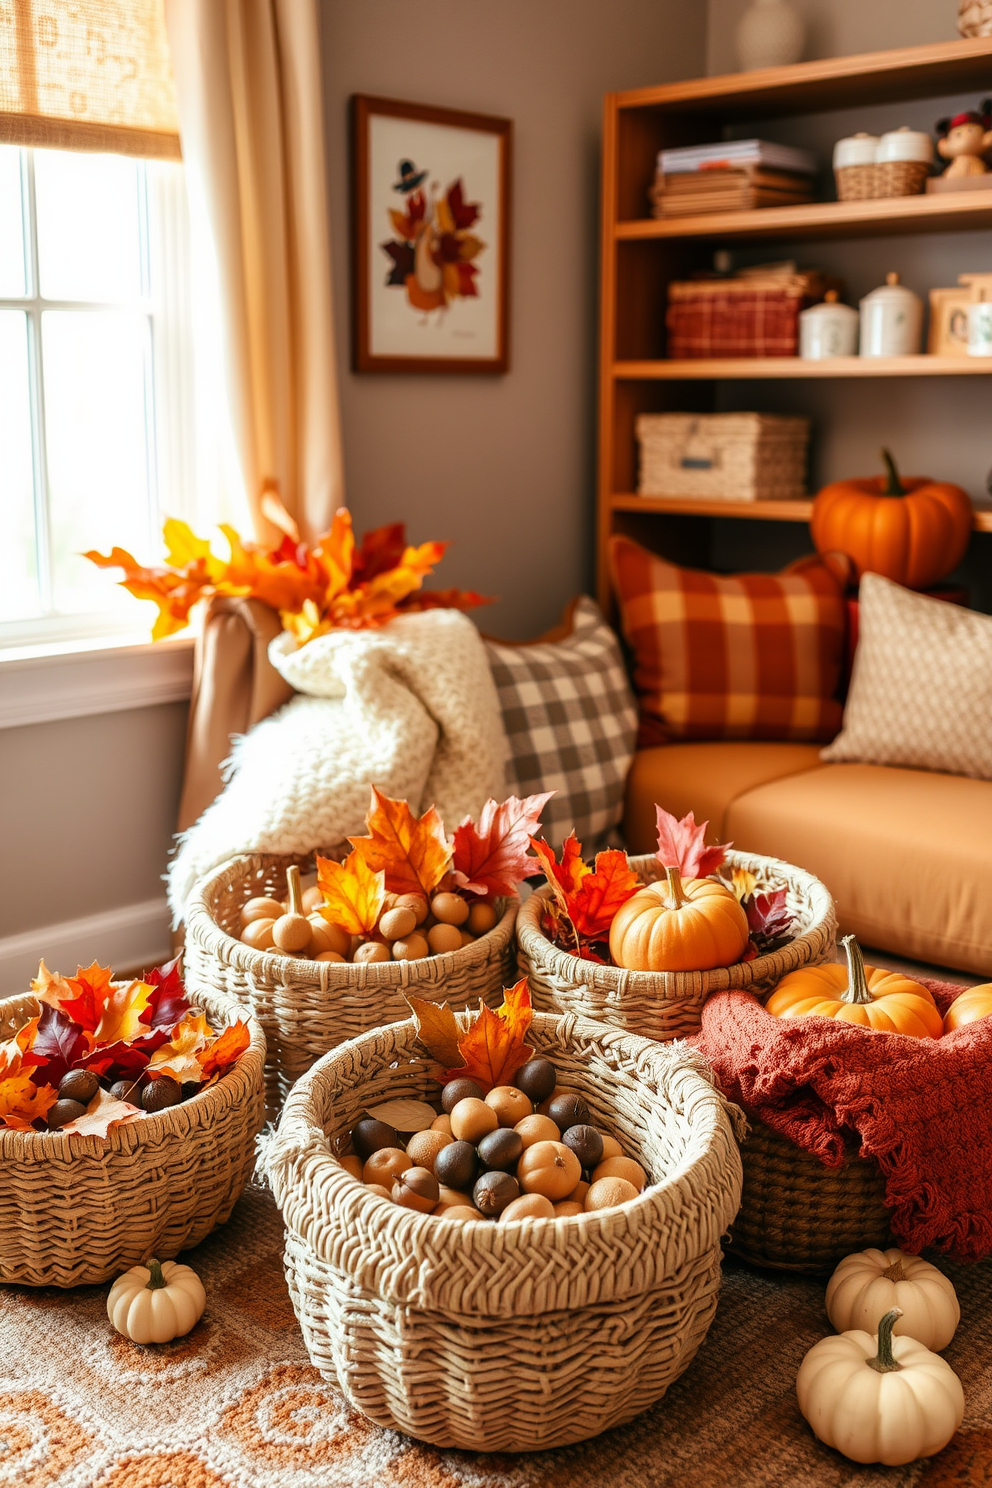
411 707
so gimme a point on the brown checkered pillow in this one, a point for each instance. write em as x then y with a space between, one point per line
747 656
570 718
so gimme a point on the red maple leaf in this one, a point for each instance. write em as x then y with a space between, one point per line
491 858
168 1002
594 903
380 550
463 213
767 915
681 845
59 1044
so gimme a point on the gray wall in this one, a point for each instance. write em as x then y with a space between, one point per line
838 28
503 467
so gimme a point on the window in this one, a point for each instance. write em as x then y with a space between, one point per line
95 382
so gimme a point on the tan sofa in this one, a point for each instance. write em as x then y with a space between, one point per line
907 854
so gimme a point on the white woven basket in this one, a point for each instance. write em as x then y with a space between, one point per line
525 1335
723 456
668 1004
307 1007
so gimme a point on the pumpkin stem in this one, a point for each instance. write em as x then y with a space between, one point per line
156 1279
856 990
893 483
884 1361
293 885
895 1272
675 887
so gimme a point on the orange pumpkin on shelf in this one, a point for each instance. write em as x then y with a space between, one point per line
970 1005
886 1001
676 926
912 531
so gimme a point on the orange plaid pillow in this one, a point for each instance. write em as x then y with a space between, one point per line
746 656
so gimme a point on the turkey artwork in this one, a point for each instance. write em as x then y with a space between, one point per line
433 253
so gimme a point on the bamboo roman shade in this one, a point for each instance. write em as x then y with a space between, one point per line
87 75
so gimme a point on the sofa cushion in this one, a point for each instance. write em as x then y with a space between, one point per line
921 693
705 779
747 656
907 854
570 720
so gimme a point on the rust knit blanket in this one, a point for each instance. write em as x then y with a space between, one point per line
922 1107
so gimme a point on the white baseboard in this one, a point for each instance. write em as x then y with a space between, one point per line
136 936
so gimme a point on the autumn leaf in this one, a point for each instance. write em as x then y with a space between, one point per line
87 995
767 914
491 858
122 1060
464 214
563 877
446 599
103 1114
491 1050
412 852
594 903
59 1044
353 893
178 1057
20 1045
681 845
23 1100
743 882
221 1053
167 1003
437 1029
516 1009
121 1020
50 986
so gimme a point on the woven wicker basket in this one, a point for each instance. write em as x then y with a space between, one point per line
975 17
722 456
78 1210
888 178
797 1215
308 1007
668 1005
520 1336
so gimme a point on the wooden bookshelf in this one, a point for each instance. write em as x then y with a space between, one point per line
641 255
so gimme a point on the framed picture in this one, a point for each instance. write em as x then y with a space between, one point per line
948 334
431 218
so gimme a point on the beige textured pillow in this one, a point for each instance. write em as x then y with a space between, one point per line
921 693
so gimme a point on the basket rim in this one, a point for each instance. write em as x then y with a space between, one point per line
758 969
298 1162
156 1125
203 929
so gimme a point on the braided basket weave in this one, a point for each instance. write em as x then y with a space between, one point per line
667 1005
308 1007
75 1210
797 1215
518 1336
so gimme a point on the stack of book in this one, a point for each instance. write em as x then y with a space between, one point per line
735 176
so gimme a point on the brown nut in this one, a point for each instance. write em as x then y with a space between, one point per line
536 1129
262 908
607 1193
528 1206
416 902
372 950
385 1165
451 909
414 948
416 1188
327 937
621 1167
398 923
510 1104
481 918
459 1089
423 1147
292 933
442 938
471 1119
258 935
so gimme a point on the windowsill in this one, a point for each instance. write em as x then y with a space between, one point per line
80 678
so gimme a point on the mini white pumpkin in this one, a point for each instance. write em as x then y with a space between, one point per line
156 1302
869 1283
879 1399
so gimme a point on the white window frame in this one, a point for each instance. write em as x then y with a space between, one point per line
169 411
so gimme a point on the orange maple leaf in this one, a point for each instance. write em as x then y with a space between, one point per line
121 1021
50 986
87 995
221 1053
178 1057
412 852
22 1102
20 1045
594 903
493 1048
353 894
564 877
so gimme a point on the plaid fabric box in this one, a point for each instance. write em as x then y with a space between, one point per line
571 721
753 316
748 656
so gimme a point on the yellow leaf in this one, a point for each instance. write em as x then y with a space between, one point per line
178 1057
413 852
469 247
182 546
353 893
121 1018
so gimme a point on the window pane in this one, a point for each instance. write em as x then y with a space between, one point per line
95 398
89 237
11 224
18 561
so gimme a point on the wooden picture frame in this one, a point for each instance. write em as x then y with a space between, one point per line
431 238
948 333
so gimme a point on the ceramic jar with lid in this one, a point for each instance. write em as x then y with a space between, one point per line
891 320
854 166
829 329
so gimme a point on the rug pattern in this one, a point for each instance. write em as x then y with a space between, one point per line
236 1404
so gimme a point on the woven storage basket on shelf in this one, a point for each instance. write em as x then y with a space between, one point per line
975 17
78 1210
887 178
308 1007
518 1336
797 1215
667 1005
722 456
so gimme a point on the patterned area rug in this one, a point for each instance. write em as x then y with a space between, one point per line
236 1404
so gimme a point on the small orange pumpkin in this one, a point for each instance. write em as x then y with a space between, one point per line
970 1005
676 926
883 1000
912 531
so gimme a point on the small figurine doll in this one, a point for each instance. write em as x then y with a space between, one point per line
964 140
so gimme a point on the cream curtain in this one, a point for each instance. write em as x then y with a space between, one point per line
87 75
248 86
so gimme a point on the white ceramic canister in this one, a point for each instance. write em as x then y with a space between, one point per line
891 320
856 149
828 330
905 144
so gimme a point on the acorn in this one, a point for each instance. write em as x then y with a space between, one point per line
501 1149
456 1165
536 1079
568 1110
417 1188
586 1143
129 1090
493 1192
369 1135
79 1085
460 1089
63 1112
160 1094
